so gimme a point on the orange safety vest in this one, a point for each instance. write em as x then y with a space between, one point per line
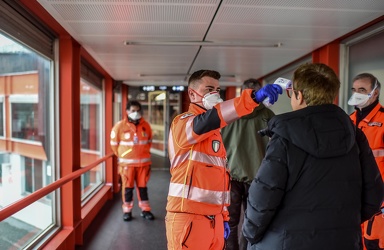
373 127
132 143
199 176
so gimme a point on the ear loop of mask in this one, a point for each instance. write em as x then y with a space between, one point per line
370 94
198 95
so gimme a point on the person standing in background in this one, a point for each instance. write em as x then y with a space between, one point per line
198 197
131 140
245 151
319 179
369 117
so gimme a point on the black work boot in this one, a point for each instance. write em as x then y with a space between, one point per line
127 216
147 215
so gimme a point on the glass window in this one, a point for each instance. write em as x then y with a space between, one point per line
24 121
33 170
25 140
364 53
117 104
91 135
1 117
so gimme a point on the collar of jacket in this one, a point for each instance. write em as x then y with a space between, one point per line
196 109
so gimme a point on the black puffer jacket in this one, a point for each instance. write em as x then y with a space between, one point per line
315 186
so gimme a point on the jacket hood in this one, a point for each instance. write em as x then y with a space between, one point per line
322 131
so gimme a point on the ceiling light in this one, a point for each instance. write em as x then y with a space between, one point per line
204 43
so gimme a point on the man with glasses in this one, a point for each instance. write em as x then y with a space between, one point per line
319 180
369 117
197 215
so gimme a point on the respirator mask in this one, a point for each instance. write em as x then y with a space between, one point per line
211 99
134 116
360 100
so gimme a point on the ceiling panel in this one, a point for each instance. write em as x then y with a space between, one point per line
301 26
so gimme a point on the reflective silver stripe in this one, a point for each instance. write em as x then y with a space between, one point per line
123 160
114 143
228 111
126 143
189 131
209 159
171 147
227 198
176 161
130 143
197 194
200 157
144 142
378 152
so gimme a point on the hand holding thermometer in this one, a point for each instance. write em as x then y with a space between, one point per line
283 83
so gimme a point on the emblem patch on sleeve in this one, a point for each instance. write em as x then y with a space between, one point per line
215 146
373 124
185 116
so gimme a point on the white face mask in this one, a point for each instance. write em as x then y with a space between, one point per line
134 116
360 100
211 99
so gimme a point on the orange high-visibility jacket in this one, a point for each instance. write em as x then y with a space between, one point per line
131 143
200 180
373 127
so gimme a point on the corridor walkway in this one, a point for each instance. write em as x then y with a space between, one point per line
110 232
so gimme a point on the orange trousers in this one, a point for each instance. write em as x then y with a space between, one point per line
130 176
194 232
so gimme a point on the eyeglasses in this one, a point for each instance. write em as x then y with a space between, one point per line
290 91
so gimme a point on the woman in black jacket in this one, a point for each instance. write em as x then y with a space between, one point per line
319 180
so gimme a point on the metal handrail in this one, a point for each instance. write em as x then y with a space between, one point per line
28 200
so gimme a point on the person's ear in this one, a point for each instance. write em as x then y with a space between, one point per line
191 94
376 92
300 97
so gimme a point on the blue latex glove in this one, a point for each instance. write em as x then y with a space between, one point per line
382 210
271 91
227 230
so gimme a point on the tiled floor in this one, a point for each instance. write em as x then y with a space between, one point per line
110 232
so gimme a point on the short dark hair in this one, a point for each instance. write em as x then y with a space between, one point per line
371 78
251 83
133 103
197 75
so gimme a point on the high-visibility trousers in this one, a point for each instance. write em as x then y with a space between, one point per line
194 232
130 176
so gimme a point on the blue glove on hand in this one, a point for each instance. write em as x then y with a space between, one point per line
271 91
227 230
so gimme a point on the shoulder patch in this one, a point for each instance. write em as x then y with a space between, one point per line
375 124
186 115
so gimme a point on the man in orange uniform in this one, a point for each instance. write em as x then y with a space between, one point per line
131 140
369 117
199 190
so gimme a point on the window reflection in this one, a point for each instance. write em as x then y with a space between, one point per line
24 121
91 135
1 118
25 142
